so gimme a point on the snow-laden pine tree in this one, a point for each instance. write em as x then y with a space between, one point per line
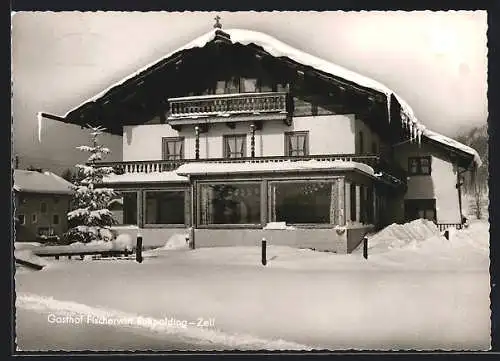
90 218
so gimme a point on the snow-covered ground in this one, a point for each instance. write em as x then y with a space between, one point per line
429 293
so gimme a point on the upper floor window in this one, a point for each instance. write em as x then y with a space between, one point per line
173 148
55 218
248 85
43 207
243 85
235 146
419 165
22 219
34 218
296 143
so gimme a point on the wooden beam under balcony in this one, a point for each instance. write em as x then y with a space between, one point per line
175 123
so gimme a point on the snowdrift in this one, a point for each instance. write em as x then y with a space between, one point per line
26 258
177 241
403 235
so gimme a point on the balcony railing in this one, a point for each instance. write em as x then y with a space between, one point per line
390 172
227 104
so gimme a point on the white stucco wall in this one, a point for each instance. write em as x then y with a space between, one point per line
440 185
328 134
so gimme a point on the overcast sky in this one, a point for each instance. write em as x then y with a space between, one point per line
436 61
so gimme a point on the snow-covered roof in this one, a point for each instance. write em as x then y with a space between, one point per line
153 177
36 182
203 168
277 48
453 143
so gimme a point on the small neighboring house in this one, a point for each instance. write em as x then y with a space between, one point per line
237 131
42 202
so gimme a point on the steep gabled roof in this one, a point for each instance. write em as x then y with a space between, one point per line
36 182
279 49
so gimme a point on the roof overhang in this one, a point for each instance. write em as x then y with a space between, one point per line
262 44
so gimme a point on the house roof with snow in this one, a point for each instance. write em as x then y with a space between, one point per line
277 49
26 181
205 168
152 177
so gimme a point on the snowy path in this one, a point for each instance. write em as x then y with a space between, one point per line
341 309
425 295
34 333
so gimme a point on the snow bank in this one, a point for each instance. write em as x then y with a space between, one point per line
124 241
403 235
26 245
177 241
188 331
27 255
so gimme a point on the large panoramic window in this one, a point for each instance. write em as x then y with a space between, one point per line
301 202
296 143
173 148
124 208
165 207
230 203
235 146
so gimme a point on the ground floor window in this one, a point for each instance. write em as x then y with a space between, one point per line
165 207
301 202
124 208
45 231
230 203
420 208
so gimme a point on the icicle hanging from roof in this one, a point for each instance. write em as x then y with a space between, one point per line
39 118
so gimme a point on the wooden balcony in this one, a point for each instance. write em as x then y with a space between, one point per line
227 105
390 172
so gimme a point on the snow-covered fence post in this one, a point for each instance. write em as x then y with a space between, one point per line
138 249
264 257
365 247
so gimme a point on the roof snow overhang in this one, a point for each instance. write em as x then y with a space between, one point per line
266 45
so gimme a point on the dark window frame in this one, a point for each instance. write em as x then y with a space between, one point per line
198 213
427 204
418 161
54 219
164 225
270 211
361 142
23 217
288 151
225 145
34 218
44 210
352 197
164 148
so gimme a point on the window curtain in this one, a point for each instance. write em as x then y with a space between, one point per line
334 203
207 195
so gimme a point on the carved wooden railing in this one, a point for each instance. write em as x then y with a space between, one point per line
223 104
389 171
